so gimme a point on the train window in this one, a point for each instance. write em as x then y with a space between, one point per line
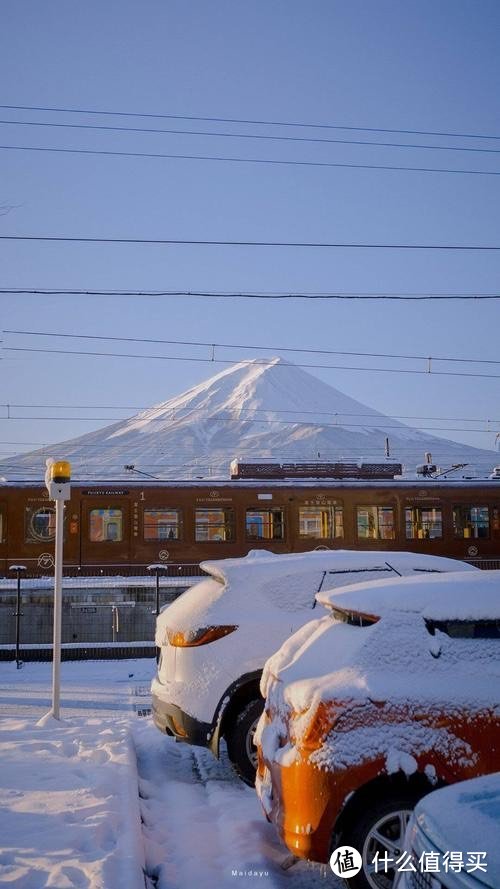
321 522
1 526
265 524
471 521
105 525
162 524
40 524
423 523
495 523
376 522
214 525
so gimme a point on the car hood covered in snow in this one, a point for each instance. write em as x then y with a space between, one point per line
466 816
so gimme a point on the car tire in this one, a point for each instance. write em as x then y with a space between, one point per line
239 740
379 825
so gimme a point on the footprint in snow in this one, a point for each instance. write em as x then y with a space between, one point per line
70 878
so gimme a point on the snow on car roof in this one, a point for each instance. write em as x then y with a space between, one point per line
265 583
451 596
268 565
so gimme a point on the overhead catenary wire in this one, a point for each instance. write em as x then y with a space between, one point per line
127 339
201 360
245 121
245 160
173 242
261 422
256 136
65 291
177 413
340 452
204 463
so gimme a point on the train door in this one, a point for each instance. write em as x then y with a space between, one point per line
105 532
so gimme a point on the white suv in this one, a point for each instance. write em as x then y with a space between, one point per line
215 639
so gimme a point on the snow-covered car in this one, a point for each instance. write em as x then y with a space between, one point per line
368 712
215 639
453 838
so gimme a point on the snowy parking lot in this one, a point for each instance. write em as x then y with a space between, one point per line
102 800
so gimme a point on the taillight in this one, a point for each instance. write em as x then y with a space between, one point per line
202 636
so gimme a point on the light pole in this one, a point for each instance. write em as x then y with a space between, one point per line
57 481
18 613
157 569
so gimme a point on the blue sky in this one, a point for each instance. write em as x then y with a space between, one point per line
396 65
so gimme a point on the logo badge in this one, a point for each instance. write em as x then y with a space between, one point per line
163 555
346 862
46 560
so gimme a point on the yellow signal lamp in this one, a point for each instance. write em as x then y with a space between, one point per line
60 472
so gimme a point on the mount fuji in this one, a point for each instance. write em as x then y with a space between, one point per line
258 408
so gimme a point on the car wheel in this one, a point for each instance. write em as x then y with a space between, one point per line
239 739
379 826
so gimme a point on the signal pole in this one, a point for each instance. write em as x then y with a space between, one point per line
57 481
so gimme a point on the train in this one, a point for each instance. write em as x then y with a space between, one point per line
122 527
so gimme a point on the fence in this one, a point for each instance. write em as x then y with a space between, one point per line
96 612
44 567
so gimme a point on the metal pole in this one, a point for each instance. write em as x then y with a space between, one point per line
56 663
18 613
18 619
157 569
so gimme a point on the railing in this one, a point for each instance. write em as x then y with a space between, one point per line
485 564
118 569
98 613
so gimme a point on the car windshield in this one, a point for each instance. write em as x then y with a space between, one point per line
465 629
353 618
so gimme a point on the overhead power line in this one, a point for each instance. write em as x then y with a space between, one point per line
381 426
246 121
344 245
340 451
398 370
256 136
189 411
246 160
129 339
18 291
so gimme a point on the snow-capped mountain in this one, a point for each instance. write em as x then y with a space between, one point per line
259 408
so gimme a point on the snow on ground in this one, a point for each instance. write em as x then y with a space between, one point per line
73 794
69 809
203 827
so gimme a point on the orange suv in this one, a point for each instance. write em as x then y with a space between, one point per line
393 694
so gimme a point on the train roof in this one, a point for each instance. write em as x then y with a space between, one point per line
427 483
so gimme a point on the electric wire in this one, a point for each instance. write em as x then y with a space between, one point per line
255 136
178 414
245 160
80 353
126 339
18 291
246 121
265 422
225 243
